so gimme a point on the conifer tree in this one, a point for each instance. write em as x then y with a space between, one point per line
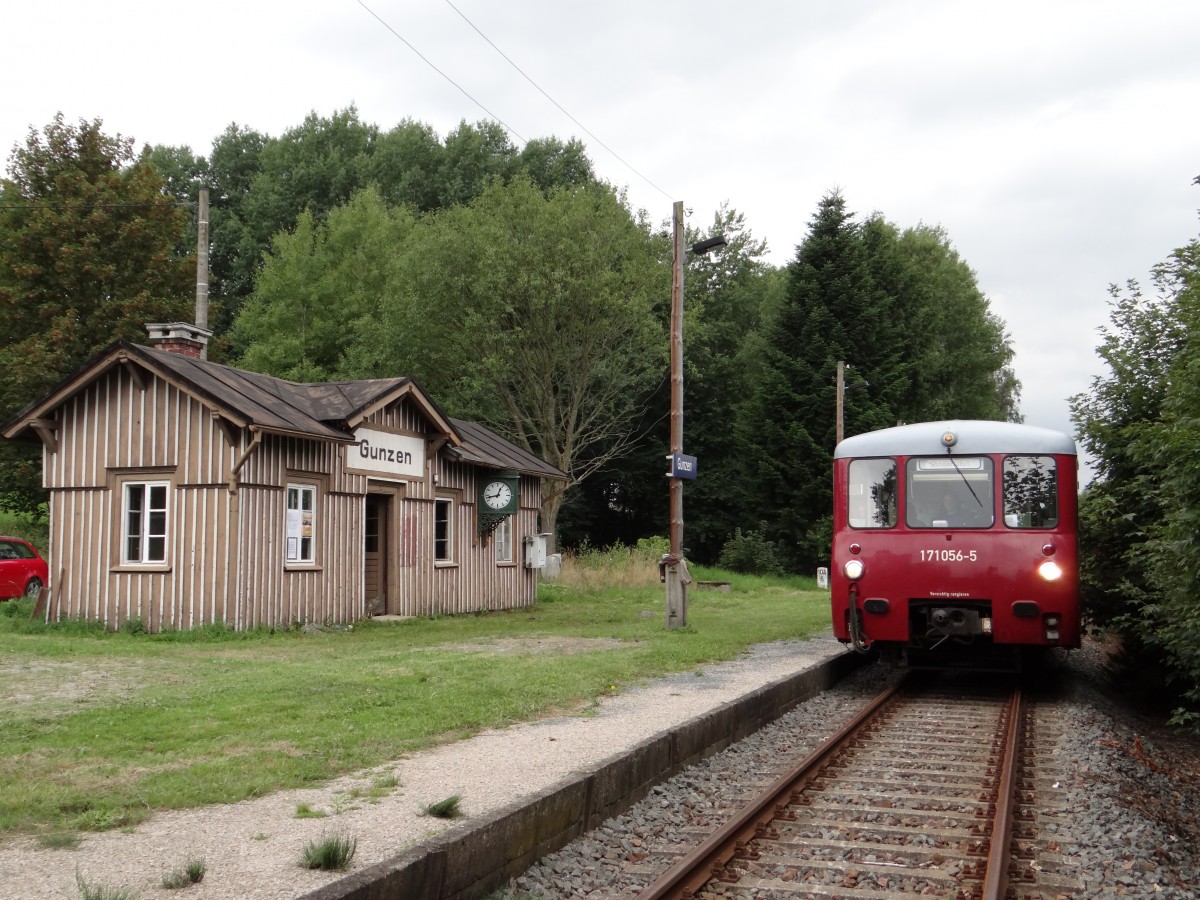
831 311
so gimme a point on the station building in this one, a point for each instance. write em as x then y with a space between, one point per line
184 492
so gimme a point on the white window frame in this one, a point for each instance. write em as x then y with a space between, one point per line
145 537
443 513
300 549
503 536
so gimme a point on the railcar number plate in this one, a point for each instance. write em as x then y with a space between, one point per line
947 555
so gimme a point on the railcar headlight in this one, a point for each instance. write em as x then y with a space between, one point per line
854 569
1050 570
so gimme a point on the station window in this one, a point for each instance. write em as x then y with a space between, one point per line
503 536
144 523
872 493
301 523
443 530
950 492
1030 492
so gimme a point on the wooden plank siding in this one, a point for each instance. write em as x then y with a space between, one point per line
227 531
113 427
476 581
278 594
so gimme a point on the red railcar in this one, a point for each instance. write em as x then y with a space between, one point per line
954 543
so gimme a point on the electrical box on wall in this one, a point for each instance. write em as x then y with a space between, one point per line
535 550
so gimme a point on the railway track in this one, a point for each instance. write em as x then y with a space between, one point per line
927 791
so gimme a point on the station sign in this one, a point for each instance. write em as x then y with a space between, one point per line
682 466
386 454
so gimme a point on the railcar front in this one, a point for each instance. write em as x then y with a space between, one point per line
955 542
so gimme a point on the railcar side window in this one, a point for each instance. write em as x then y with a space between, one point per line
949 492
872 493
1030 492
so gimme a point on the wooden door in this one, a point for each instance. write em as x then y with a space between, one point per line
375 554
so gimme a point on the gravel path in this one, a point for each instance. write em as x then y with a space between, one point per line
252 849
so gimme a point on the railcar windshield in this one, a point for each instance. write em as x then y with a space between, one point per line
949 492
1030 492
872 493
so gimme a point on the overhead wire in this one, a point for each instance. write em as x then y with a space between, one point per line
424 59
556 103
470 97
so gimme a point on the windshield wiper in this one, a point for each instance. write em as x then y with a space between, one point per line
964 478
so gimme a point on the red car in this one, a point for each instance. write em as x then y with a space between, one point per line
22 569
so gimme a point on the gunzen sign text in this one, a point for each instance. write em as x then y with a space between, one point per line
682 466
387 454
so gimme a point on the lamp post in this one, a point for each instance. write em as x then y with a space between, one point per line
673 566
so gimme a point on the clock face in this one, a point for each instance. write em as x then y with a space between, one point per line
497 495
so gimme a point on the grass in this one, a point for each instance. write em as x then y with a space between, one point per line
99 730
100 891
330 854
445 809
58 840
192 872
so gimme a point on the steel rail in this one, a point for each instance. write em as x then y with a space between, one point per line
700 866
995 883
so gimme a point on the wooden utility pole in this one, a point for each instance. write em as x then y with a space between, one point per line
841 397
675 569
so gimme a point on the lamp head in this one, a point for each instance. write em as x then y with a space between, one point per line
712 243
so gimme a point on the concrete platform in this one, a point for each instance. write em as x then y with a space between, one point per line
471 860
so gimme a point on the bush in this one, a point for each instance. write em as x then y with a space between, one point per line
751 554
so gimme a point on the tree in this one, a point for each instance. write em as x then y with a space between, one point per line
958 357
1116 421
404 166
88 254
904 312
234 254
831 311
725 292
534 313
321 285
1171 621
315 166
260 185
1138 521
551 164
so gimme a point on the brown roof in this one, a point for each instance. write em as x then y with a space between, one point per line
327 411
484 447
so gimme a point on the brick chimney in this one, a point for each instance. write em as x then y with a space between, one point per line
180 337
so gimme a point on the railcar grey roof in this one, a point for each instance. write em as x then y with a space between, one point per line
925 439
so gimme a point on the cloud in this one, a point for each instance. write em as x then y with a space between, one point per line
1055 142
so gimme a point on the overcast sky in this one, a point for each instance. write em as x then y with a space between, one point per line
1055 142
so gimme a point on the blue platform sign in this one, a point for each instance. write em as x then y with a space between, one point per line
682 466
